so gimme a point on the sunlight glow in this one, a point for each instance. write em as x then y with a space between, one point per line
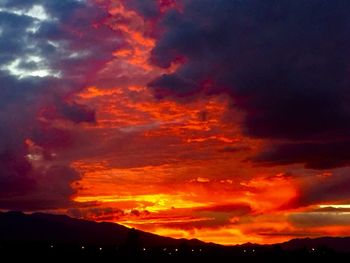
345 206
158 202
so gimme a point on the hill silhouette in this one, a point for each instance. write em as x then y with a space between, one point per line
62 229
338 244
43 237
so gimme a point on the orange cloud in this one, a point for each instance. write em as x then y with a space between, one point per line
176 169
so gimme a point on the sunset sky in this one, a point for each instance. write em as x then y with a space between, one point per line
222 120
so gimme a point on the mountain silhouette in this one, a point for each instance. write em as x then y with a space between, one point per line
338 244
41 227
55 238
62 229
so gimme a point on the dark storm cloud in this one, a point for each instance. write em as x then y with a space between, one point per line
13 173
324 190
284 63
50 189
48 51
148 9
77 112
316 155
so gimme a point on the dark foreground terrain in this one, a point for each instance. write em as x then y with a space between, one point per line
52 238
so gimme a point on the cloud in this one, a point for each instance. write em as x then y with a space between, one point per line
36 190
232 208
148 9
77 113
235 149
211 217
283 63
321 155
49 50
324 190
97 213
317 219
110 214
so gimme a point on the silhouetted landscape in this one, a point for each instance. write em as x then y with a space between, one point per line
54 238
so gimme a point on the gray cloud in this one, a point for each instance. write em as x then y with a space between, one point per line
49 50
317 219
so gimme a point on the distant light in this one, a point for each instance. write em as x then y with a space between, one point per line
176 249
100 248
244 251
51 246
164 249
144 249
192 250
253 250
82 247
313 249
170 253
200 250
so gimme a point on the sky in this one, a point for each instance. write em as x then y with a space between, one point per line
226 121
